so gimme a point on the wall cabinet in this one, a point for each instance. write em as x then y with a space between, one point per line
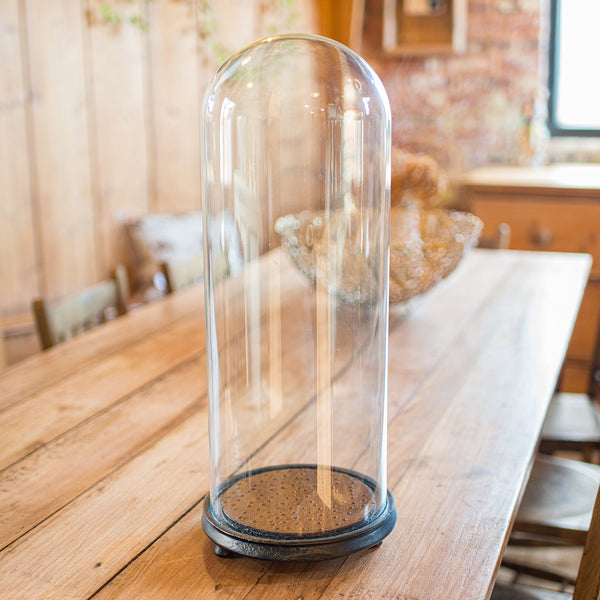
554 208
396 27
424 26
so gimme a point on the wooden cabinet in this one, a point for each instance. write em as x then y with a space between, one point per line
396 27
554 208
416 27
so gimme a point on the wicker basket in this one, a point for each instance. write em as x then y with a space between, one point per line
425 246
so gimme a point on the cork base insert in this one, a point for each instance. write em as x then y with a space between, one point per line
298 501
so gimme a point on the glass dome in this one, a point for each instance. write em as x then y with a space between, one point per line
296 188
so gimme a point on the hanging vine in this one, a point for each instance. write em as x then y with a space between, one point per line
273 16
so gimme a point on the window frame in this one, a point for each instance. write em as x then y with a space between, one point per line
554 127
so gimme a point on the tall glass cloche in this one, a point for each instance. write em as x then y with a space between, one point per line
296 176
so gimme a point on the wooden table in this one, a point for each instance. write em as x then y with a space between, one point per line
554 207
104 453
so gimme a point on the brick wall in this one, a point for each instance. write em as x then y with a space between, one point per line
475 108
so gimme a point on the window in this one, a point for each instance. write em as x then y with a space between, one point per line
574 106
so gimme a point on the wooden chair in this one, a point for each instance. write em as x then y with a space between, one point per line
555 511
182 274
573 420
556 508
587 584
58 321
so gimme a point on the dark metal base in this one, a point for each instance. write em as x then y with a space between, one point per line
232 542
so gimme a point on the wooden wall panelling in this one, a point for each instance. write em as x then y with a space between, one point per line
100 122
18 264
176 99
115 68
60 128
237 24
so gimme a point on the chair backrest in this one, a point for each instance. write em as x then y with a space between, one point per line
182 274
587 586
60 320
500 240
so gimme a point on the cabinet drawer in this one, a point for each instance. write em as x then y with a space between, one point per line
542 224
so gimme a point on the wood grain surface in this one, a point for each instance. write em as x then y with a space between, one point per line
18 240
104 453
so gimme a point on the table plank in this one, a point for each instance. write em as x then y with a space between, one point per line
129 524
288 446
72 400
88 388
43 370
64 468
467 467
73 552
363 575
93 448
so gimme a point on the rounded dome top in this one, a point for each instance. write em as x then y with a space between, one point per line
293 71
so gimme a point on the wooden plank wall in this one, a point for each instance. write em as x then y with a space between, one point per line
19 248
100 122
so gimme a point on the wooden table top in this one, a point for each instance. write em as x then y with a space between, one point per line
104 448
565 179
